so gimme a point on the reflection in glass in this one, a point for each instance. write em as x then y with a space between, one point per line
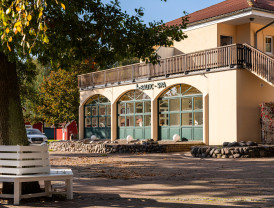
87 122
147 120
88 111
174 104
121 108
198 103
94 111
187 119
102 122
108 110
192 91
130 95
198 118
139 121
130 120
187 104
103 99
102 110
163 105
108 121
173 91
147 107
94 122
93 100
138 95
121 121
138 107
163 121
175 119
130 108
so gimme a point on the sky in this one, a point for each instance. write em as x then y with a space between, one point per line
167 11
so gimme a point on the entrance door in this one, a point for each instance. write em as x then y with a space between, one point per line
134 115
181 112
98 117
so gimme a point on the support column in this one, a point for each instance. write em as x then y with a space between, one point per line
48 188
69 188
81 122
113 121
154 120
17 191
206 120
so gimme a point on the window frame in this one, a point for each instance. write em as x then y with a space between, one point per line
271 44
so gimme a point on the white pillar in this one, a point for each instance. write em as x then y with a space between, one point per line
81 122
154 120
113 121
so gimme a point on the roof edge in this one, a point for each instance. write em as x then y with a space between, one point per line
229 15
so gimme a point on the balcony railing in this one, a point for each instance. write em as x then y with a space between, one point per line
217 58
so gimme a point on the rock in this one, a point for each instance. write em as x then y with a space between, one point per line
212 151
224 156
250 143
225 144
226 150
222 151
236 150
208 150
217 151
176 138
219 155
236 155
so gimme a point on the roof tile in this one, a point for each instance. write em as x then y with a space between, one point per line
225 7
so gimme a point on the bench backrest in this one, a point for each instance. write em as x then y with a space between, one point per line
24 160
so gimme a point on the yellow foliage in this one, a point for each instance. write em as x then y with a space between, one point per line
29 17
17 24
63 6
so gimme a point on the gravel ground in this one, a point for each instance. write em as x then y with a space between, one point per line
162 180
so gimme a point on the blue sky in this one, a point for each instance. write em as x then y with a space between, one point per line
166 11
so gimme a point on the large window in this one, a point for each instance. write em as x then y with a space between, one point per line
181 112
134 115
98 117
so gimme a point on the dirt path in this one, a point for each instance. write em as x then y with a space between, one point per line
163 180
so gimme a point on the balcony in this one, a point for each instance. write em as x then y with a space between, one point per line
216 59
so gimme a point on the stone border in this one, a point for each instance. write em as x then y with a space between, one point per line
233 152
105 147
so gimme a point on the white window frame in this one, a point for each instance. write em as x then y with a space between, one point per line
271 46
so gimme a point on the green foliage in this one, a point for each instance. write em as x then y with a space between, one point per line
62 33
59 97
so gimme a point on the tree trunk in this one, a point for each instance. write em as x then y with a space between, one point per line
12 127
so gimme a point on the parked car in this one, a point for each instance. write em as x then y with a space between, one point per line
35 136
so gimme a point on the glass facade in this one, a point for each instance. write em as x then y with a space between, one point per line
97 117
134 115
181 112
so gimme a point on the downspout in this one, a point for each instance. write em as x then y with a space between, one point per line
256 33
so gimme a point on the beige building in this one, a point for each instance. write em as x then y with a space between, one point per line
207 87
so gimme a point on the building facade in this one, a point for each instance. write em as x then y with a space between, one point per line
206 88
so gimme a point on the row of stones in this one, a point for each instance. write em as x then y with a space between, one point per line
105 148
233 152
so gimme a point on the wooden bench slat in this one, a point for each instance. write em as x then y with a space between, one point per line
20 163
24 155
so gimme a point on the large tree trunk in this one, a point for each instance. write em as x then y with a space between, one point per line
12 127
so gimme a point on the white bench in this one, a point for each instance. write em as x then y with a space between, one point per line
31 163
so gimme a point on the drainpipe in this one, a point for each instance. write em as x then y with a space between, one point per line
256 33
